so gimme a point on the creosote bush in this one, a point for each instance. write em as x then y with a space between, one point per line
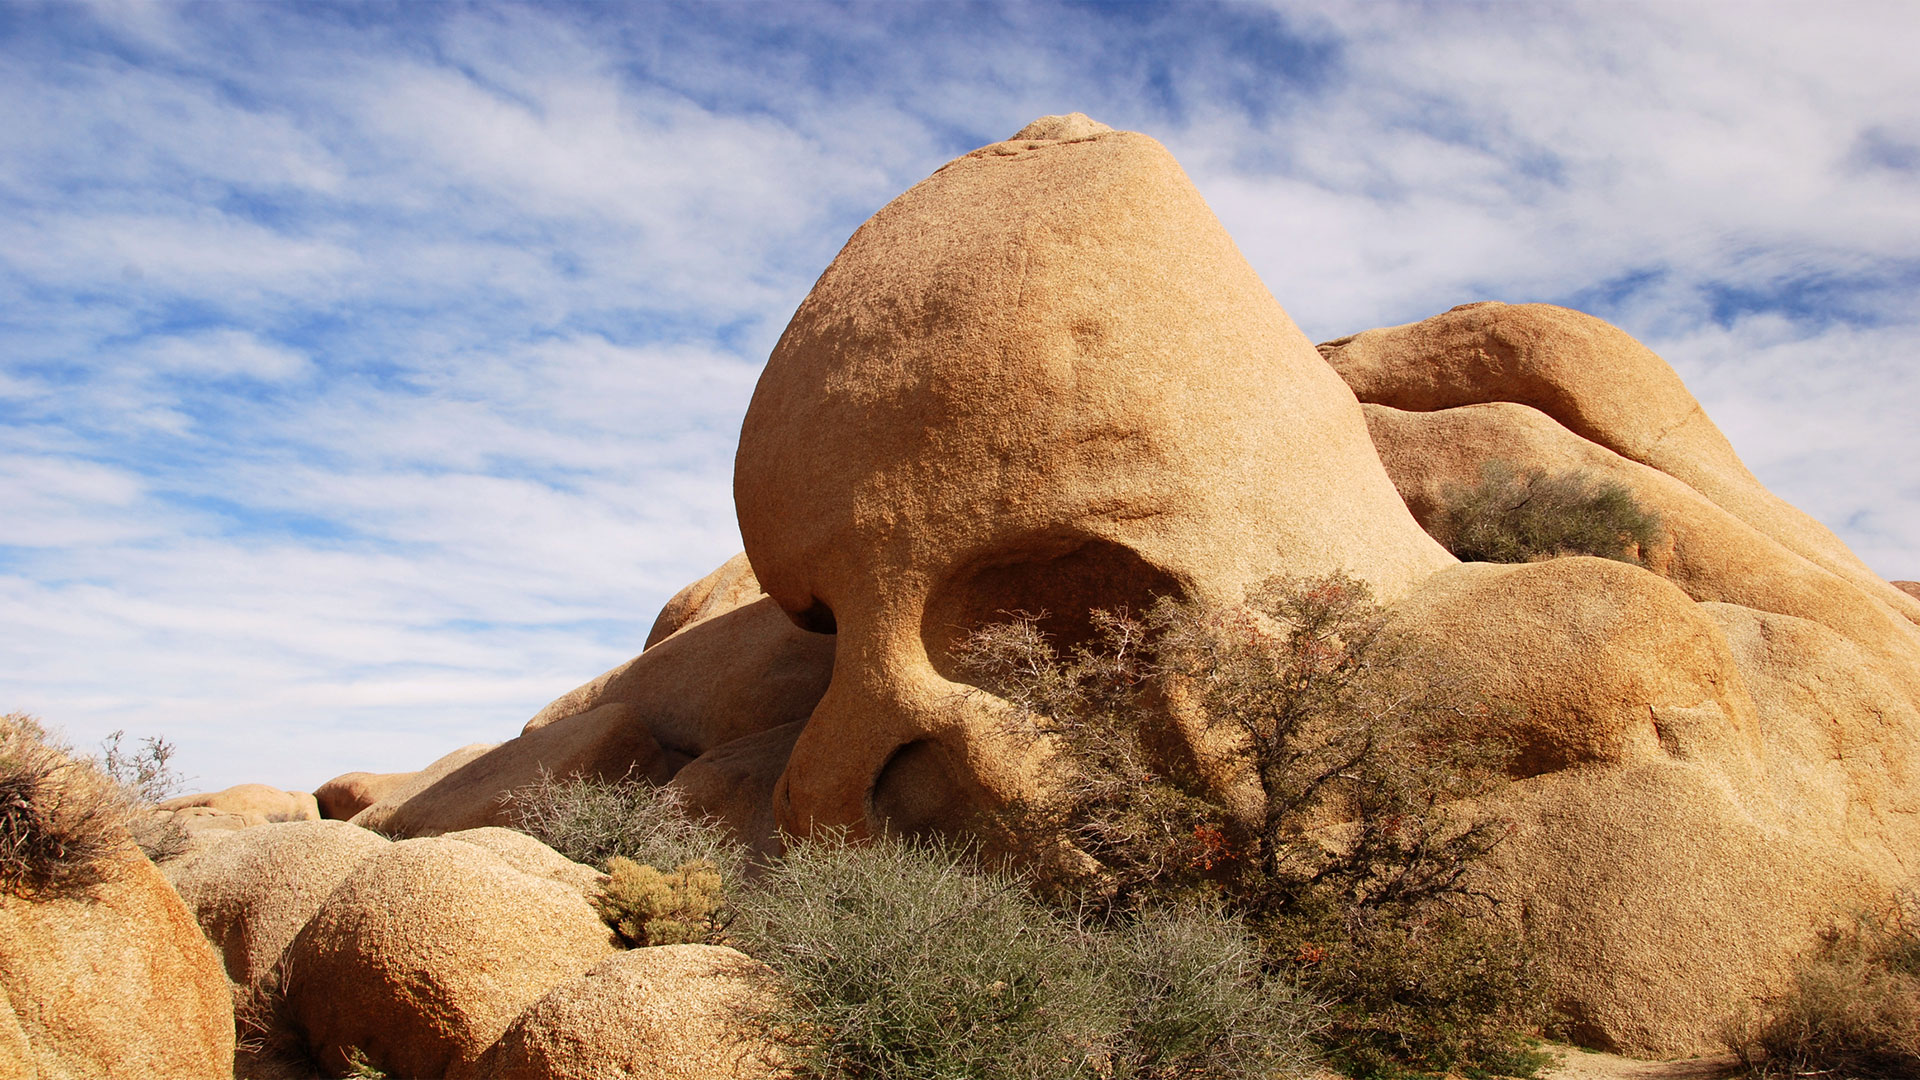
61 819
1853 1010
649 907
907 960
1512 516
1352 865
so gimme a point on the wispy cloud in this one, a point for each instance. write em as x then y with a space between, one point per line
368 376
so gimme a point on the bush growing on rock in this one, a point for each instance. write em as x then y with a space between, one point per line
1853 1010
1353 862
61 819
593 821
1514 516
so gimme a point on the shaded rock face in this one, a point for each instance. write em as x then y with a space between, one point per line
345 795
1042 379
113 983
1713 763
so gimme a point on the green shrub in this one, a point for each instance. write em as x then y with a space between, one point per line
904 961
1513 516
1354 866
592 821
1853 1011
649 907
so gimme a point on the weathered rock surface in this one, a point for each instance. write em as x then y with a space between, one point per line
674 1012
531 857
110 984
256 804
1043 378
252 894
349 793
732 666
428 950
377 816
1911 588
734 783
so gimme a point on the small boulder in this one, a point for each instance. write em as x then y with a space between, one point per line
254 893
256 804
113 983
349 793
733 783
426 952
674 1012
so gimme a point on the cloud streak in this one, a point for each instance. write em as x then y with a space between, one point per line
370 376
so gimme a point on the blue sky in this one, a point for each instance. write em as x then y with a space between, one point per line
370 373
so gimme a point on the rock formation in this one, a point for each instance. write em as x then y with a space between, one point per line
255 804
349 793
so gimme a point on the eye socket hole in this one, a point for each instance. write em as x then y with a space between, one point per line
918 793
1065 577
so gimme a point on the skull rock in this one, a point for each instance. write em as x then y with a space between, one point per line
1044 379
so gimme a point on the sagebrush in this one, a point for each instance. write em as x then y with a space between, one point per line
1853 1009
1515 515
1353 863
908 961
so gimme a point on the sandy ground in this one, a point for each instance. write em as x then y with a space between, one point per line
1578 1064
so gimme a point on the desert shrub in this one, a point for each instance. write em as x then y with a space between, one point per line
1853 1010
148 777
590 820
61 819
1512 516
652 907
1353 864
905 960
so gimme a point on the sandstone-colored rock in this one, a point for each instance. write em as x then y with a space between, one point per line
1598 383
734 666
1911 588
1590 661
729 586
113 983
254 893
609 742
427 951
376 817
734 784
1706 550
349 793
1044 378
256 804
531 857
674 1012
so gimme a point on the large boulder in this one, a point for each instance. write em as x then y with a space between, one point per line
1042 379
428 949
349 793
110 983
729 667
254 893
378 815
675 1012
255 804
733 784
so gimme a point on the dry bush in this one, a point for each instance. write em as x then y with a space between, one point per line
61 819
647 906
1353 863
592 821
1512 516
149 778
1853 1011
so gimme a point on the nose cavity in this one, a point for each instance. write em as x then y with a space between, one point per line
1065 578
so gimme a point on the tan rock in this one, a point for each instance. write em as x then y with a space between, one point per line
1601 385
1706 550
1911 588
730 586
675 1012
531 857
426 952
114 983
257 804
254 893
349 793
734 783
1044 378
375 817
730 670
